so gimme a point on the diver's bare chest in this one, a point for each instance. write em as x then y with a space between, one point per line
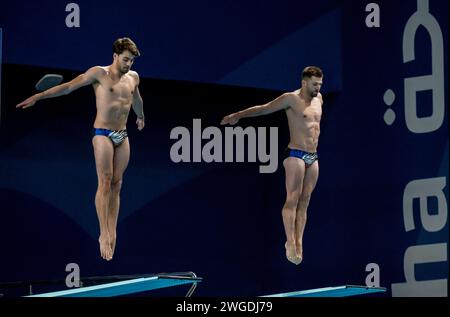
303 112
118 89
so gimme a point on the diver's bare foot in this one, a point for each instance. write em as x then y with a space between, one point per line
105 247
113 243
291 254
299 251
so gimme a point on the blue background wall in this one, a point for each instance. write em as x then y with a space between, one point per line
223 221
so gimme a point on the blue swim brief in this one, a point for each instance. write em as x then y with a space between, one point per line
307 157
117 137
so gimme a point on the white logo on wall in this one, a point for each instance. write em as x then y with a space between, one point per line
373 278
213 150
422 189
433 82
73 278
373 19
73 18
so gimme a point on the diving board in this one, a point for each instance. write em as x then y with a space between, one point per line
126 287
338 291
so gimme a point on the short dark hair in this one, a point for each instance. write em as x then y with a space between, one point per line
310 71
122 44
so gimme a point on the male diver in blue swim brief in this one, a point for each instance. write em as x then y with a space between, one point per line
303 109
116 90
